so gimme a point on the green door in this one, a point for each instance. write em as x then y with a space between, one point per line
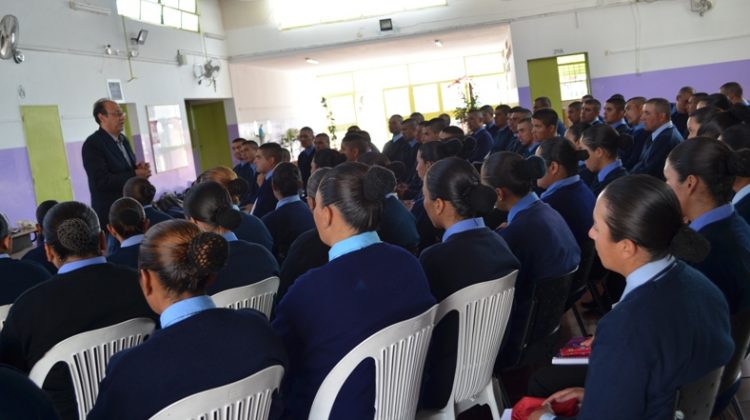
544 80
209 135
47 158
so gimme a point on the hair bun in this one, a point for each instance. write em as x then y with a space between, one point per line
377 183
227 217
689 245
450 147
237 187
742 163
74 235
207 253
533 167
130 217
481 198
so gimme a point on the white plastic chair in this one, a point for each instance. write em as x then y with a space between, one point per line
4 314
399 352
246 399
87 355
483 313
257 296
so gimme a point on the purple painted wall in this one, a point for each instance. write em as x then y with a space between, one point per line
524 97
17 199
78 179
234 131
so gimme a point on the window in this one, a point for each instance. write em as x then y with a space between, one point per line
298 13
168 142
182 14
573 76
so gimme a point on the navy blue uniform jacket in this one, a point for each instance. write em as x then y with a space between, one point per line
331 309
18 276
655 153
39 256
155 215
207 350
307 252
127 256
265 201
285 224
398 226
253 230
248 263
597 187
743 208
575 203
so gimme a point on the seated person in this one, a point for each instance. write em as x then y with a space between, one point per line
738 138
251 228
677 319
327 158
17 276
331 309
574 134
37 253
291 217
701 173
536 234
663 138
86 294
398 226
307 251
22 399
141 190
353 146
469 253
614 115
178 262
127 223
602 144
269 155
564 190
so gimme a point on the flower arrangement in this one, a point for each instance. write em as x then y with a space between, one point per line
468 96
331 120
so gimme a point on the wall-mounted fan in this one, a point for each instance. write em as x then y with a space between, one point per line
9 39
207 73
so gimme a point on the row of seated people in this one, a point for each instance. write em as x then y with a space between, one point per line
348 303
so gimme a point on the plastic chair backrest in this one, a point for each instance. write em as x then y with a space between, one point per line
259 296
483 312
741 338
4 314
87 355
399 352
246 399
546 311
695 401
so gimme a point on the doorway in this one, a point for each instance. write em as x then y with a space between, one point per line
563 79
209 134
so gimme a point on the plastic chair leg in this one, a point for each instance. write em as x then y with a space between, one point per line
579 320
737 408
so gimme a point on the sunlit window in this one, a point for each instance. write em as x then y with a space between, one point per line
297 13
573 76
182 14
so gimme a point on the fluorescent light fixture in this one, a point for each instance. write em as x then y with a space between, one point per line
438 43
86 7
311 60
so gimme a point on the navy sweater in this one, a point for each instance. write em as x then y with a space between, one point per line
22 399
466 258
632 155
155 216
575 203
428 233
286 224
331 309
265 201
662 335
307 252
39 256
210 349
127 256
728 262
18 276
484 144
253 230
597 187
398 226
247 264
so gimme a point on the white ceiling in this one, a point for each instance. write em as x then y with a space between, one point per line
393 50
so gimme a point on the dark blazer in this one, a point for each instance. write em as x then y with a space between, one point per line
223 346
18 276
501 140
743 208
246 172
484 144
91 297
575 203
428 233
304 163
331 309
466 258
662 335
728 262
655 153
286 224
107 170
680 122
247 264
597 187
398 226
127 256
22 399
307 252
39 256
266 201
253 230
398 150
155 216
631 156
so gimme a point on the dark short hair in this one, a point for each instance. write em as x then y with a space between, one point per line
286 179
510 170
604 137
100 108
661 105
251 143
239 140
547 116
575 105
544 101
505 109
737 137
271 150
42 210
618 103
732 88
563 152
593 102
127 217
328 158
314 181
139 188
209 202
356 141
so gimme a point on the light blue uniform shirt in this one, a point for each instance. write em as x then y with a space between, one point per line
666 126
742 193
132 241
185 309
353 243
608 169
645 273
75 265
618 123
287 200
560 184
230 236
463 226
711 216
522 205
4 256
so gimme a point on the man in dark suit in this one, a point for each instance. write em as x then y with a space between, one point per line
305 158
664 137
109 159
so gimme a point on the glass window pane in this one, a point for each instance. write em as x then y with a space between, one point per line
172 17
490 89
150 12
426 98
397 101
171 3
189 21
451 93
436 70
297 13
342 108
575 58
129 8
188 5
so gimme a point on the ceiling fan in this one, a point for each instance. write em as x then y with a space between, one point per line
9 39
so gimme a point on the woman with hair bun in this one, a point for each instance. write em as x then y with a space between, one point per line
208 206
86 294
366 286
127 224
143 191
701 173
199 346
469 253
251 228
602 144
564 189
536 234
671 326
